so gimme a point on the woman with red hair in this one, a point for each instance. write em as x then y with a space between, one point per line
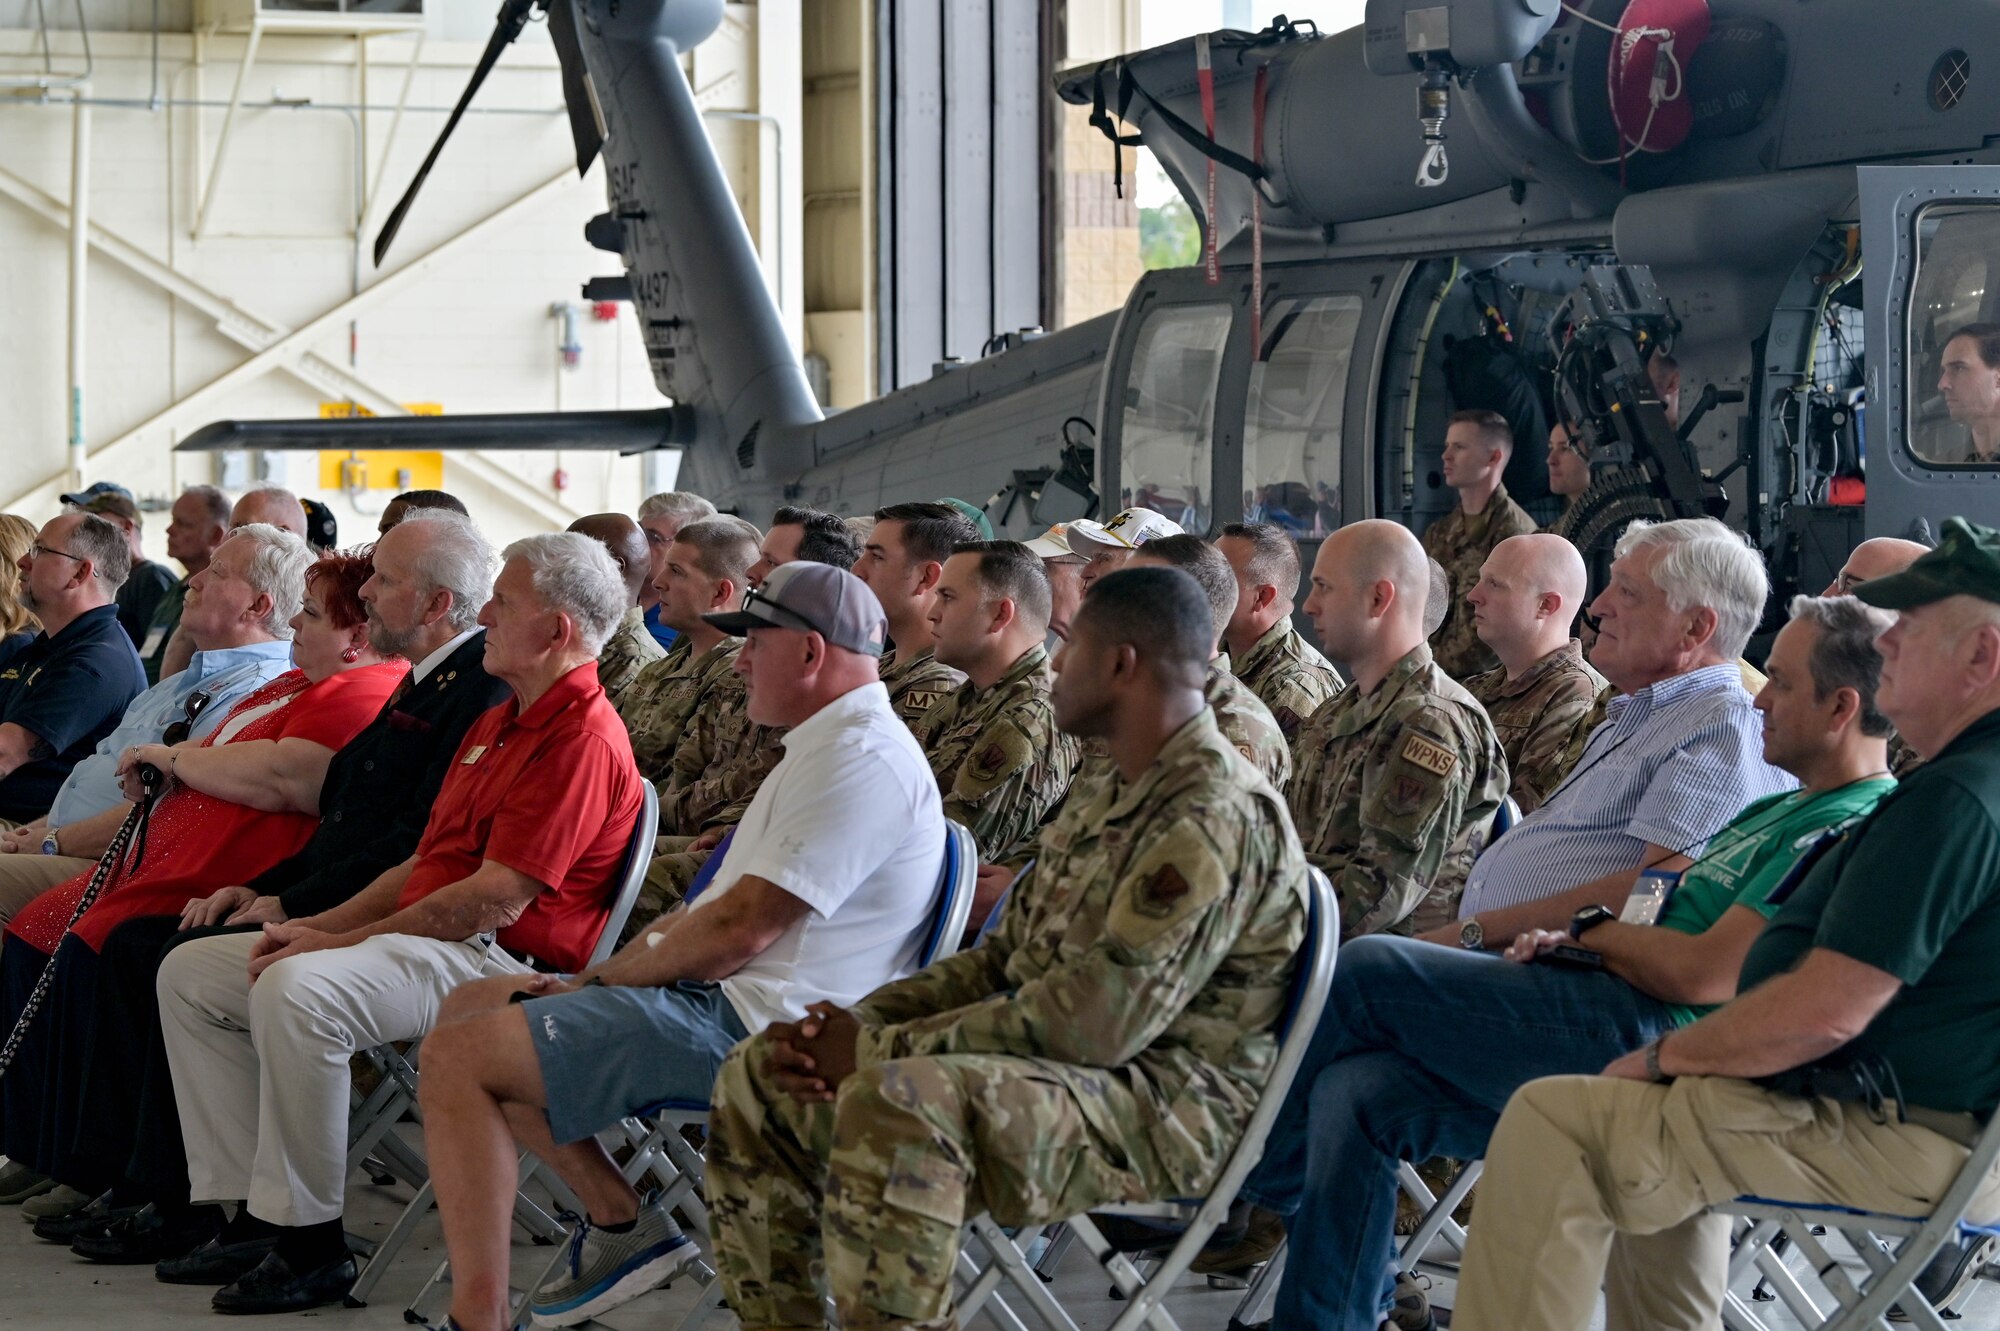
224 815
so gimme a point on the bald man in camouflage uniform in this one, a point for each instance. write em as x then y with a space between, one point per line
1136 979
1000 761
631 646
1477 446
1268 654
1399 777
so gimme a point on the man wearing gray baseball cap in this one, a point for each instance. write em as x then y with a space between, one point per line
824 892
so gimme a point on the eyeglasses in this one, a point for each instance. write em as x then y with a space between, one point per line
1845 584
755 596
177 733
38 549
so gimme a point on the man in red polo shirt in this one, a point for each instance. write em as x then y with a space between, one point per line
520 858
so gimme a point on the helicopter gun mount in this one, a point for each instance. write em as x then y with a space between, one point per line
1608 330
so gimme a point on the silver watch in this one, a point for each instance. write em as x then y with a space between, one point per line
51 846
1471 935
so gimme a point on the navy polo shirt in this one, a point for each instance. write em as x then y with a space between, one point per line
69 691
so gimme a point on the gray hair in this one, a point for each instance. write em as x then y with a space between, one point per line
1706 565
680 505
278 570
105 545
459 559
577 577
215 504
1844 655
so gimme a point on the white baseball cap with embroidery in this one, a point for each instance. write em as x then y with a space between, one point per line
1129 530
1051 544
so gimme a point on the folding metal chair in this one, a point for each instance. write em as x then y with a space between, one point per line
372 1118
657 1134
1504 817
1144 1294
1894 1249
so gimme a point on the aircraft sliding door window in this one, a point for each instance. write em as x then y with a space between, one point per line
1166 442
1954 347
1292 422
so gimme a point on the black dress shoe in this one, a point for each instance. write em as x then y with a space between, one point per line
143 1238
215 1262
64 1228
275 1288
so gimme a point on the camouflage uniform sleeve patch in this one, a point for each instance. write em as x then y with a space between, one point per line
996 755
1432 757
1169 884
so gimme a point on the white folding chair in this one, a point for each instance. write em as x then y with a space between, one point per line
1893 1249
1144 1294
657 1134
372 1118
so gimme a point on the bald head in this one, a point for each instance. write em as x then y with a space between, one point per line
1874 559
1370 587
627 543
271 505
1527 596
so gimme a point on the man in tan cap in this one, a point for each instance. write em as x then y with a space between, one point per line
1065 569
1105 546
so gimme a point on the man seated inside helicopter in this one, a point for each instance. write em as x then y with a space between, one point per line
1969 382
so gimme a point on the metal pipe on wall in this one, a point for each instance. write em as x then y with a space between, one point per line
79 272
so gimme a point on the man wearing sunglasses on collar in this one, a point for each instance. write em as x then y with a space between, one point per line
235 613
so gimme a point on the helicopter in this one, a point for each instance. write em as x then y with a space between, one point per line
1725 242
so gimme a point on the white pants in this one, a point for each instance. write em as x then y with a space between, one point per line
261 1071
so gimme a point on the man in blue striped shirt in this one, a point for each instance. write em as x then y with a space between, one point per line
1680 752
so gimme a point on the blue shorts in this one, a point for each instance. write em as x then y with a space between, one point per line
608 1051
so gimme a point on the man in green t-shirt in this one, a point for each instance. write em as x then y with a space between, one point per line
1877 969
1421 1045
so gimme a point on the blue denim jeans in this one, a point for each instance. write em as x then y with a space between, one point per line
1417 1052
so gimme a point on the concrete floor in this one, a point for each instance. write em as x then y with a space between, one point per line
44 1286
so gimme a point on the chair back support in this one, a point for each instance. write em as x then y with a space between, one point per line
1504 817
632 876
952 906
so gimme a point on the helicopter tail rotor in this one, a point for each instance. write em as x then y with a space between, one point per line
513 18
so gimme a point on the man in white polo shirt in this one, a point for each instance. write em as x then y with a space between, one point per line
825 892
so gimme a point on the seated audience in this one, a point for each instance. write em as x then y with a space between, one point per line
18 625
1858 1062
521 855
433 572
1398 777
1542 696
1269 655
1105 546
993 744
147 583
196 527
1244 720
269 504
805 533
1420 1045
902 558
1679 754
191 839
826 891
630 648
660 517
1869 560
1064 568
1136 979
67 689
238 614
403 504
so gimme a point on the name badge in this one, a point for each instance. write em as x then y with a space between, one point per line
472 755
1649 896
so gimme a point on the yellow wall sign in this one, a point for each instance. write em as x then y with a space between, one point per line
379 469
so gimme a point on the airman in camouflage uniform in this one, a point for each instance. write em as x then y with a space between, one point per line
1243 720
629 650
1395 794
918 682
1542 718
1135 981
665 696
1000 762
1289 677
1461 544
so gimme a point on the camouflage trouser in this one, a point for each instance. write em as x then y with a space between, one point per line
873 1189
667 879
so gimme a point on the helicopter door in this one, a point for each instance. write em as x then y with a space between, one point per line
1931 433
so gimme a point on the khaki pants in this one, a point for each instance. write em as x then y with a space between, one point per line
1595 1180
25 877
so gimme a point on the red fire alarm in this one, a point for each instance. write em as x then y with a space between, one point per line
604 311
560 480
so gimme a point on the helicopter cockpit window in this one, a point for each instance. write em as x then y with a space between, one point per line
1292 422
1954 356
1167 440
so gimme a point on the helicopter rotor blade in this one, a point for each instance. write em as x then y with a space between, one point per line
513 18
586 125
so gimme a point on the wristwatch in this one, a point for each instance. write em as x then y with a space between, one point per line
1653 1072
1587 919
50 845
1472 935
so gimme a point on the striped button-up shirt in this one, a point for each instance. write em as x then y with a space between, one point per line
1671 765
